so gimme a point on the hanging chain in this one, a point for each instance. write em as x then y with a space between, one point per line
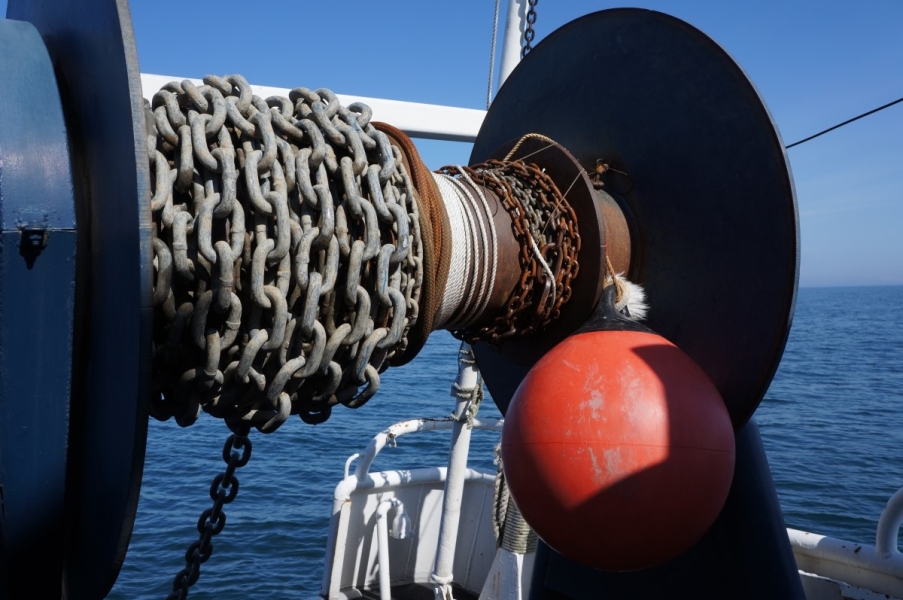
545 227
529 33
288 257
222 491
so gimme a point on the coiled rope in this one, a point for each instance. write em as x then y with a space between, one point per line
546 230
474 252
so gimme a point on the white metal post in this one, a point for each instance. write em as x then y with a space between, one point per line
382 541
514 30
465 389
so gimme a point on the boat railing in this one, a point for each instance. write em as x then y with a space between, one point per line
822 560
889 527
877 568
392 433
355 521
418 120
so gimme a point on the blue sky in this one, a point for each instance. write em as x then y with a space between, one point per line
814 62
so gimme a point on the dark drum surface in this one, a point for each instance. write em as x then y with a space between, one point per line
832 423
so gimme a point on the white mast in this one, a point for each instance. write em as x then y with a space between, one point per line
514 31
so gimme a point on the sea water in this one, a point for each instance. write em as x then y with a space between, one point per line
832 420
832 424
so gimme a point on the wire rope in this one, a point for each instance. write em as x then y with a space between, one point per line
495 29
847 122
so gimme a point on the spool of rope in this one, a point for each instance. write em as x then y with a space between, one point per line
474 252
544 230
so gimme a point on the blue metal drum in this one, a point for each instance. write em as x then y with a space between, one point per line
82 345
37 299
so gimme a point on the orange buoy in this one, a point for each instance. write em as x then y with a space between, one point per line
618 450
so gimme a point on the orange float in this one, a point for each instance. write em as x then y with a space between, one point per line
618 450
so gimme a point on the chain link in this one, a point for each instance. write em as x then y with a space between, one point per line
222 491
287 253
545 227
529 33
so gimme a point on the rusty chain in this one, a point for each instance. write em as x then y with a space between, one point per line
287 253
529 33
545 227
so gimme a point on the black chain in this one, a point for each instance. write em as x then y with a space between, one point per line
529 34
222 491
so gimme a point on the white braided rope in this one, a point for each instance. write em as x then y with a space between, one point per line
472 289
454 287
493 237
474 241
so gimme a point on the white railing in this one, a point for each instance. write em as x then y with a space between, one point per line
877 568
362 480
424 121
889 527
390 434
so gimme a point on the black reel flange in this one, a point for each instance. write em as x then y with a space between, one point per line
660 114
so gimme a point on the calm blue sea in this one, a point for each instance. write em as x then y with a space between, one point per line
832 422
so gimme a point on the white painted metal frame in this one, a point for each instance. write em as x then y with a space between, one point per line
390 434
853 569
382 533
425 121
379 486
514 30
468 380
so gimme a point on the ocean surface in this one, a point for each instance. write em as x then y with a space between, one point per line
832 423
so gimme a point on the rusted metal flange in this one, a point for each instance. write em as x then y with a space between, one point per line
92 47
708 187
